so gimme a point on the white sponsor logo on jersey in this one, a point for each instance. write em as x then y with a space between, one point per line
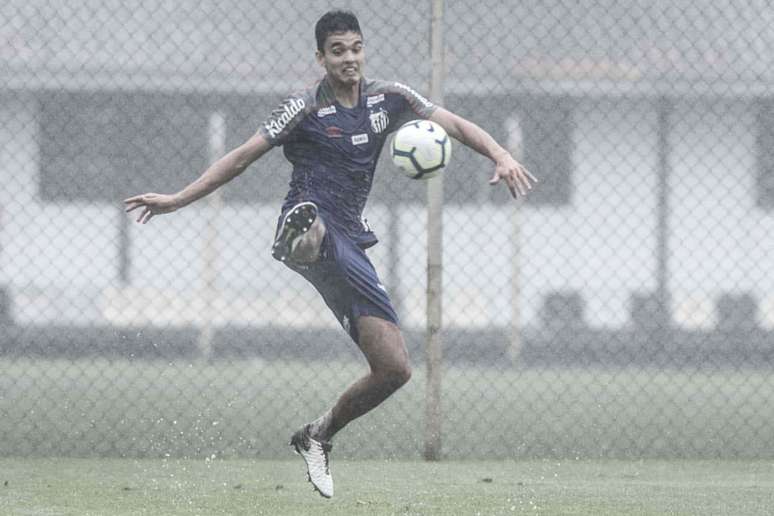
330 110
379 121
290 109
359 139
413 93
374 99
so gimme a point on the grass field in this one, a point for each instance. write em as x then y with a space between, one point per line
247 409
102 487
193 438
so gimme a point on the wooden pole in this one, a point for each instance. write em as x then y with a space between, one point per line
217 148
433 414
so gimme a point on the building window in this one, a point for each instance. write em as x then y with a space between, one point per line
102 146
546 127
765 154
105 146
537 130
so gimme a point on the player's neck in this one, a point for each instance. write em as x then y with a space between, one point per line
347 95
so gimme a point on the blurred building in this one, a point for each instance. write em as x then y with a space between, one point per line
649 124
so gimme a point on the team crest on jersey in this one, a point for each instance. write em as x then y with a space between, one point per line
379 121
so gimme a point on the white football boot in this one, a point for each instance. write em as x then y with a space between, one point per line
315 454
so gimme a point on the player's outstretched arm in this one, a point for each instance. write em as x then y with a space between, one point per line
518 178
220 172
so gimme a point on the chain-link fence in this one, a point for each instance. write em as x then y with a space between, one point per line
625 309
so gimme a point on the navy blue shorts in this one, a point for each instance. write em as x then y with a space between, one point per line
347 281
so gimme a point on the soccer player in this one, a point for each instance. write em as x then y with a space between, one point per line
333 133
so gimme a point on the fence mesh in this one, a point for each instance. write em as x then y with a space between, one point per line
625 309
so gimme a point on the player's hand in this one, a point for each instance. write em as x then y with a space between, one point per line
151 204
518 178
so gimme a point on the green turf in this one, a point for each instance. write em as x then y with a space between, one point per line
168 487
247 409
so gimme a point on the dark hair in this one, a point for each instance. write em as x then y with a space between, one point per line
333 22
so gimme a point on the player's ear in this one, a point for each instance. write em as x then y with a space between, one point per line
320 58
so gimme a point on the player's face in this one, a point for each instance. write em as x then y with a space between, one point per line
343 57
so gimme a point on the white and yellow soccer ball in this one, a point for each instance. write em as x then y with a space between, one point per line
421 149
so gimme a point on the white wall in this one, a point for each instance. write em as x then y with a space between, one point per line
720 240
603 244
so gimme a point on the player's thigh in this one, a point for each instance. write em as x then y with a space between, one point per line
381 341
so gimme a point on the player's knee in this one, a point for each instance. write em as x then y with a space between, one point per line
404 375
397 375
401 369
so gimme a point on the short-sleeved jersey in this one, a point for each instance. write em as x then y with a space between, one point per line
334 149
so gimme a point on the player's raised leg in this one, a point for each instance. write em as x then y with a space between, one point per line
382 344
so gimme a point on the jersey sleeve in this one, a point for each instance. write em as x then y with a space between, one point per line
406 103
285 117
416 104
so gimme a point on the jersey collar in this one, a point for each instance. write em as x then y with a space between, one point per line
326 96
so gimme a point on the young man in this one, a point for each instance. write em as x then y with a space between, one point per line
333 133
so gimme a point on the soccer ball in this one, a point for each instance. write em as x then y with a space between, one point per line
421 149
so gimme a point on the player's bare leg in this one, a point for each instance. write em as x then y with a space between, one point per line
382 344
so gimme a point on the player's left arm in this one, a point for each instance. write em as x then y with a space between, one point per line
515 175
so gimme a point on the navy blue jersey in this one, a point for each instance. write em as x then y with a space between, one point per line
334 149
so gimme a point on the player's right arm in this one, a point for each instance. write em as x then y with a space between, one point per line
219 173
